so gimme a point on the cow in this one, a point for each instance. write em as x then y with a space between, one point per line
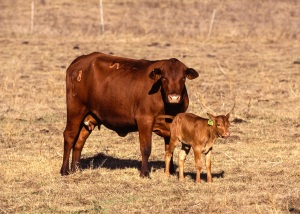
196 132
125 95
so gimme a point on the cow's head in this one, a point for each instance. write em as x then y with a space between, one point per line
173 74
221 124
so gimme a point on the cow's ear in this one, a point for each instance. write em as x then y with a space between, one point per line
191 73
155 74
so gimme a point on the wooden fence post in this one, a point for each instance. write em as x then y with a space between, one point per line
101 16
211 23
32 17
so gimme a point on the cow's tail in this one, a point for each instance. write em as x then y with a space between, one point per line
69 83
73 77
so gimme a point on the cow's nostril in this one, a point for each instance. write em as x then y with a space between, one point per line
174 98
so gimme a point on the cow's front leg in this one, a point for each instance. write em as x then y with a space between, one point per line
145 135
171 168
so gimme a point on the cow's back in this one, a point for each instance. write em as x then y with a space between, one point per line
93 74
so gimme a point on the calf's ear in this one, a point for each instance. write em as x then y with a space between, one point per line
211 116
191 73
227 116
155 74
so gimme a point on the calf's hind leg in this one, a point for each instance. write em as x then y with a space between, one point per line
208 166
185 149
198 163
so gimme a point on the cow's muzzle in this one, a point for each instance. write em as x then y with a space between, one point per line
174 98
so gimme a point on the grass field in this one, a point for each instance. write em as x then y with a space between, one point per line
248 51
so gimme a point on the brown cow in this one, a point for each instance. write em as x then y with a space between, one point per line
125 95
198 133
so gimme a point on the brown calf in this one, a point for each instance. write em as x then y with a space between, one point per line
198 133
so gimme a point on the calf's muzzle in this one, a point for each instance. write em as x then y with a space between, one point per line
225 134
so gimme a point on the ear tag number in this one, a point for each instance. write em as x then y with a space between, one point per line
210 122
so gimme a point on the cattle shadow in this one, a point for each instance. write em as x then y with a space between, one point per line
203 176
102 160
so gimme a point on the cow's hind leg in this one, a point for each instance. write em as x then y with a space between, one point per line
86 129
71 133
77 148
70 136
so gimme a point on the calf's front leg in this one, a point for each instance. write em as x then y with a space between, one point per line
169 154
171 168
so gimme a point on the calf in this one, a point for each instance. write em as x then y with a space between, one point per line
198 133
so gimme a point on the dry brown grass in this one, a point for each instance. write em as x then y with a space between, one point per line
249 56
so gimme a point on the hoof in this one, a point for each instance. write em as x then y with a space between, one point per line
64 172
145 175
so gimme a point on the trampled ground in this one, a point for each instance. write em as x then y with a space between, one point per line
251 53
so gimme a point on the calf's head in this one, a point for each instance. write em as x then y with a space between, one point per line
221 124
173 74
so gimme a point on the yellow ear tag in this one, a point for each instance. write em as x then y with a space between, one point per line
210 122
